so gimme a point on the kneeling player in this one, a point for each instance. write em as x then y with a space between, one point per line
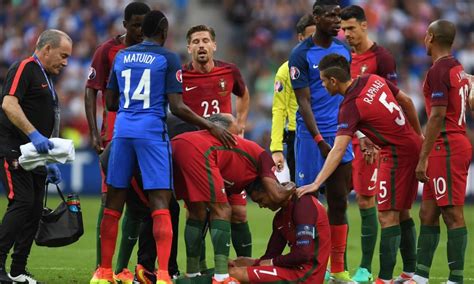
205 173
303 224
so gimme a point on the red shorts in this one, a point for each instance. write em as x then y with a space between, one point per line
364 175
448 179
238 198
396 184
262 274
195 181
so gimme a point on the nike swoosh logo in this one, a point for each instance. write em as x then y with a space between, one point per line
382 201
190 88
246 245
227 245
279 228
439 197
371 187
315 66
132 239
44 85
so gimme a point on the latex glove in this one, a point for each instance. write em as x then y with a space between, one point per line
41 143
54 174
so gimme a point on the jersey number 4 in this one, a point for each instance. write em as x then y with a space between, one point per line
141 92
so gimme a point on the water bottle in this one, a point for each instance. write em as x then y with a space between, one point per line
73 202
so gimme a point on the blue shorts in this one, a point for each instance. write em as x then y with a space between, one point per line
154 161
309 161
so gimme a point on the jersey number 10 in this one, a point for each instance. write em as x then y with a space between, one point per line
141 92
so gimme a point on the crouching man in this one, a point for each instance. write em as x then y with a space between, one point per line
303 225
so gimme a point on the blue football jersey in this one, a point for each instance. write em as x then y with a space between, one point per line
304 72
144 74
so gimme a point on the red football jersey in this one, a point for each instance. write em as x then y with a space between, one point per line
209 93
370 106
446 84
377 60
98 77
240 165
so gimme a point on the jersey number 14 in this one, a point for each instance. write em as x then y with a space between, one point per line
141 92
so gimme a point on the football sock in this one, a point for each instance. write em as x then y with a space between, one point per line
389 244
427 244
108 232
163 234
193 240
369 230
220 235
130 231
338 247
241 239
457 242
97 235
202 258
408 245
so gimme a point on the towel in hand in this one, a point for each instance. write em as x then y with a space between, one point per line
62 152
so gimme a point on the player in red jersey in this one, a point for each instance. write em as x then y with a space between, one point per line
302 224
97 82
205 173
377 108
207 87
445 155
370 58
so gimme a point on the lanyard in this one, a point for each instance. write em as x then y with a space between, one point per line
50 83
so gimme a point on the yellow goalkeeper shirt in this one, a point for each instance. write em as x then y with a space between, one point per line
284 107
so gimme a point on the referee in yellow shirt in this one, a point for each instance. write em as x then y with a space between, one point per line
285 106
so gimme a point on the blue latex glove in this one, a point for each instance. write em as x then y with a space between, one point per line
41 143
54 174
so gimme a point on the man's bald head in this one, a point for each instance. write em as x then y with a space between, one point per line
443 32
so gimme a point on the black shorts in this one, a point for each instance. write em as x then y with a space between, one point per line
20 184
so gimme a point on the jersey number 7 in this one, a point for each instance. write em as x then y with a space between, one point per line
141 92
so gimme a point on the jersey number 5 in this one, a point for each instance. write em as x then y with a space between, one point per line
141 92
391 106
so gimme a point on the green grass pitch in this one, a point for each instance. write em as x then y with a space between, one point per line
75 263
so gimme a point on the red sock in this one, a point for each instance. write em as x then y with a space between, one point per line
338 247
108 236
163 233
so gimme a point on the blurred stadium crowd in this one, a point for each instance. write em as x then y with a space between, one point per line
262 35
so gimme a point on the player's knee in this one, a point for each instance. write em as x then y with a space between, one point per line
239 214
388 218
365 202
221 210
429 215
453 217
160 199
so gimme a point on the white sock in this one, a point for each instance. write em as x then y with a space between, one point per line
190 275
451 282
419 280
221 277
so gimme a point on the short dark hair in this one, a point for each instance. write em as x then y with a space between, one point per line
221 120
135 8
154 24
318 5
353 11
254 186
200 28
337 66
304 22
443 31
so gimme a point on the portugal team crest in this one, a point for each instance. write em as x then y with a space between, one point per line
179 76
223 87
363 69
294 73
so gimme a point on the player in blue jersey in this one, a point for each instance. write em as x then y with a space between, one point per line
316 125
145 77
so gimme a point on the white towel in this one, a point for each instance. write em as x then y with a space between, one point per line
62 152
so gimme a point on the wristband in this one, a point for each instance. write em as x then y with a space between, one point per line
318 138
